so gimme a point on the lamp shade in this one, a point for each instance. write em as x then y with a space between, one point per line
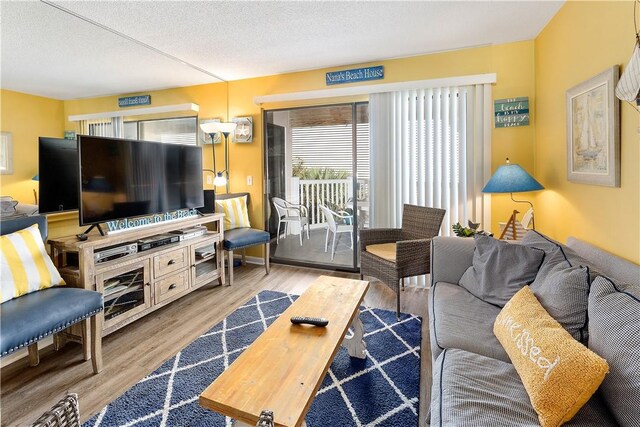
215 127
219 180
511 178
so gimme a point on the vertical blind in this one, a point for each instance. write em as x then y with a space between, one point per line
428 148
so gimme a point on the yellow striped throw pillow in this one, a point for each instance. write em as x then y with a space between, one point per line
235 212
25 266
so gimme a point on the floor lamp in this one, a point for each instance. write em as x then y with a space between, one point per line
511 178
220 177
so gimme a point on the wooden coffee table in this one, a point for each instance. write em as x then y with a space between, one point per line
284 367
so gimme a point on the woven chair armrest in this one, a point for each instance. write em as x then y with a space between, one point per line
410 252
373 236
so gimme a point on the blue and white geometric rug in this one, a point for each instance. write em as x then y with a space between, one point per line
382 390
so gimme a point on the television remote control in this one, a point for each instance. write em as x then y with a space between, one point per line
315 321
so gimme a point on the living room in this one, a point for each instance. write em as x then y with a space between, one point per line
554 48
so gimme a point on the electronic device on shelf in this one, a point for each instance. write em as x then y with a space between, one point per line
122 178
156 241
190 233
114 252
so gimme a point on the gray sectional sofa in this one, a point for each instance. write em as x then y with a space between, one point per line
474 383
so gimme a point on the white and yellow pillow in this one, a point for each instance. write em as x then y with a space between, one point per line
25 266
235 212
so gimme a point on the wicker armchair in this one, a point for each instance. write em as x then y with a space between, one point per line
65 413
391 254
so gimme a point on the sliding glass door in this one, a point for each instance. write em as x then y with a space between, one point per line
317 173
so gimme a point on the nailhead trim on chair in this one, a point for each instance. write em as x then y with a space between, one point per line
46 334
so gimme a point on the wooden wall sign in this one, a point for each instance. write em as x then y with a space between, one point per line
130 101
355 75
511 112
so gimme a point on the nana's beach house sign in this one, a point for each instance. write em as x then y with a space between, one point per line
355 75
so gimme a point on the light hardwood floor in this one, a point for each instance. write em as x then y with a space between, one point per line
138 349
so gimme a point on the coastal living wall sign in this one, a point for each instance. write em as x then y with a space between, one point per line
355 75
511 112
130 101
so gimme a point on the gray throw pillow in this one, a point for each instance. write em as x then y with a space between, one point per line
500 269
614 333
562 284
555 252
563 290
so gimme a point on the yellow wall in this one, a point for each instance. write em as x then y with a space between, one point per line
513 63
582 40
27 117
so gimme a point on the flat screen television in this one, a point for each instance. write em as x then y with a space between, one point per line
57 174
121 178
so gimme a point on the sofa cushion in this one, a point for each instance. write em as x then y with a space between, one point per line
560 285
55 309
383 250
25 266
473 390
559 374
239 238
563 290
460 320
500 269
614 333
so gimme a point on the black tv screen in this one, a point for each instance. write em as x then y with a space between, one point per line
122 178
57 174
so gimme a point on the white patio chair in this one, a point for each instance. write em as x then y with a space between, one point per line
291 213
335 228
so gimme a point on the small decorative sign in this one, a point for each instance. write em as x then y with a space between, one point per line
511 112
130 101
355 75
129 223
69 134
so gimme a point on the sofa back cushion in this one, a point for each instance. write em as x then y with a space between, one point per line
25 266
559 374
614 333
500 269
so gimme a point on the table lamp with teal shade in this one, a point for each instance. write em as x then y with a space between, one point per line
512 178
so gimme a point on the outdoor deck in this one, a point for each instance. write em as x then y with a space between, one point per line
312 250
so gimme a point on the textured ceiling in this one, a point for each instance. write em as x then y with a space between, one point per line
48 52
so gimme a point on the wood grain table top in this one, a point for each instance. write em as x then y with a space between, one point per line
284 367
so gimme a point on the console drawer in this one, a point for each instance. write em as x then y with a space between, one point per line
172 285
170 262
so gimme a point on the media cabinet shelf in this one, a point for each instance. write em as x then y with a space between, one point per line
166 273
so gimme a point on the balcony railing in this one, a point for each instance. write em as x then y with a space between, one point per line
332 192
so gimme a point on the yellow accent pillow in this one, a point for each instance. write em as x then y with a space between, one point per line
25 266
558 372
235 212
383 250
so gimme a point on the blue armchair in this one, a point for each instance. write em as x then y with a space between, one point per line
29 318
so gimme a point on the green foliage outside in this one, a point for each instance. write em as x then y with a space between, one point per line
303 172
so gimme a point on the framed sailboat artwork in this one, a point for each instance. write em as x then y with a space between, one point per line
593 131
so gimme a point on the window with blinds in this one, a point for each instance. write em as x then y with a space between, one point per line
183 130
330 147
